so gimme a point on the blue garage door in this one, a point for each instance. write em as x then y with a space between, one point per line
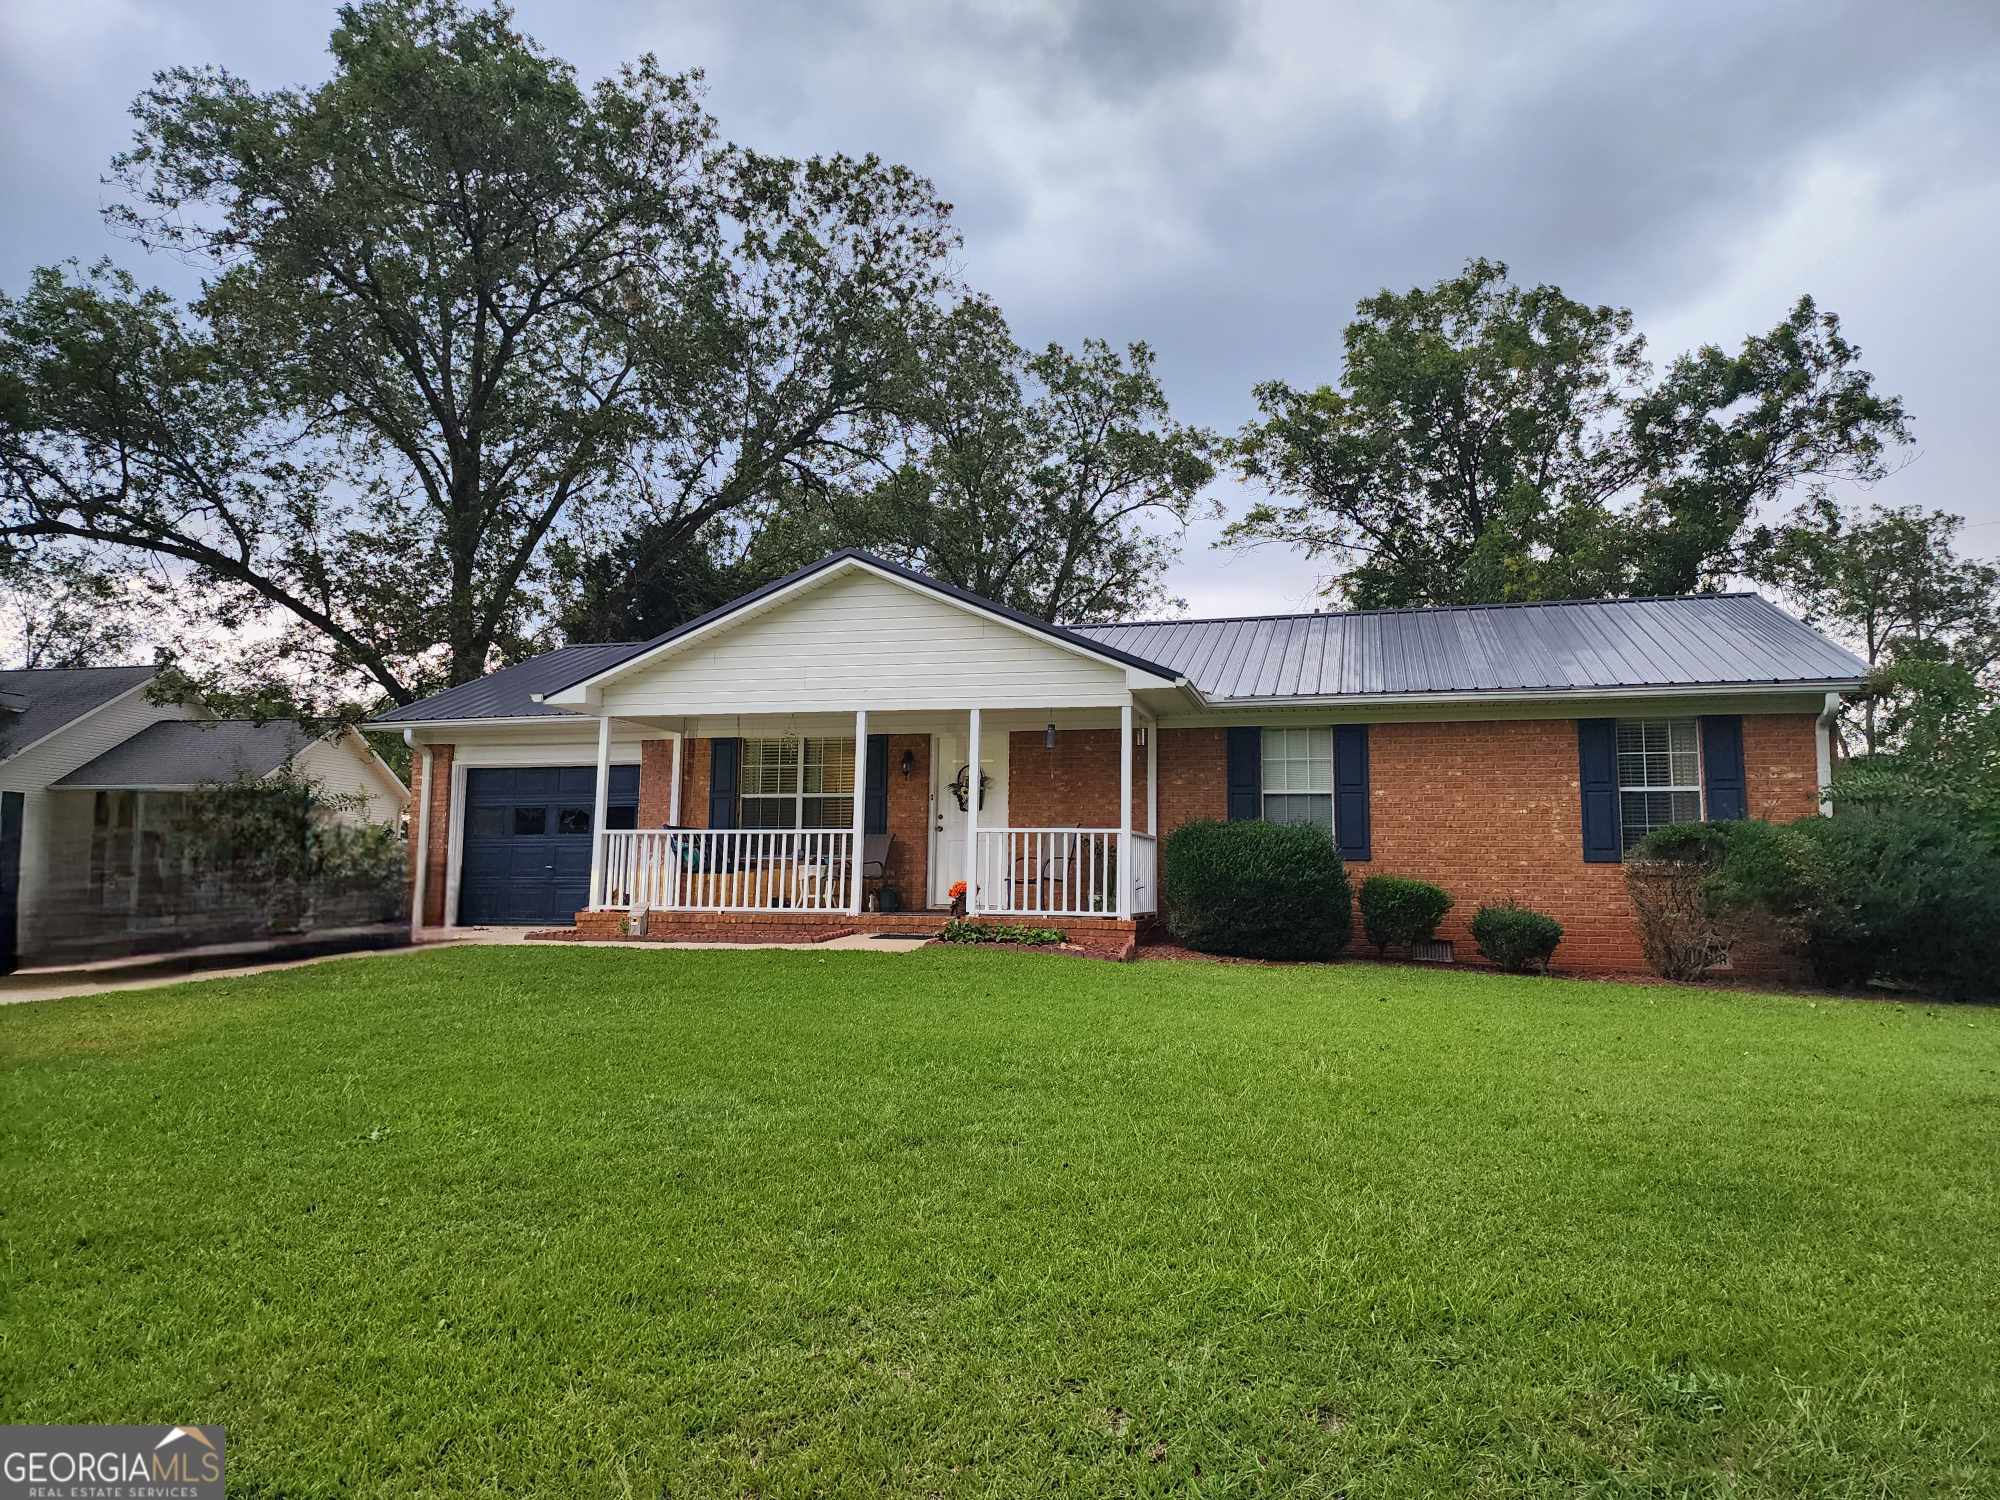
527 841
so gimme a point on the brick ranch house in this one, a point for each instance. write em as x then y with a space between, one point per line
798 761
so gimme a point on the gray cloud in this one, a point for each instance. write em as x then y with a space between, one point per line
1224 180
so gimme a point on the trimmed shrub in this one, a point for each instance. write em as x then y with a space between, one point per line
1395 909
1257 890
1517 939
1001 932
1908 897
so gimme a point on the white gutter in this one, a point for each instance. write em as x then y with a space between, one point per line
1831 686
1823 737
404 726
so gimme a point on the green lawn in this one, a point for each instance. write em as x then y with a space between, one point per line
589 1222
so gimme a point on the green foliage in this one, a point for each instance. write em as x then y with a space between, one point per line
1897 894
1260 890
1001 932
1926 621
460 307
1517 939
1489 442
1048 481
284 839
1395 909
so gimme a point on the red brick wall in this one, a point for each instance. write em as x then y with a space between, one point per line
1781 765
656 775
1490 810
1193 777
438 849
910 820
1074 785
695 758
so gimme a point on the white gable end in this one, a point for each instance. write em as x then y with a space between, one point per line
861 640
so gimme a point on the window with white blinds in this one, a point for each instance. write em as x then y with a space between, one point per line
1298 776
1659 776
796 783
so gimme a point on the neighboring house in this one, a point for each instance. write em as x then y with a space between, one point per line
91 775
710 777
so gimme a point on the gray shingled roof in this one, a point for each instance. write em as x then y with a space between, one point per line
182 752
55 696
508 693
1704 640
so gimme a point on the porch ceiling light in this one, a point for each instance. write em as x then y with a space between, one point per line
1049 738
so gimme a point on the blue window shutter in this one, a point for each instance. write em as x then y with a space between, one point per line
1722 766
1246 774
1350 789
875 798
1597 774
725 757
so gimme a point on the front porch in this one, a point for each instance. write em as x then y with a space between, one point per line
816 821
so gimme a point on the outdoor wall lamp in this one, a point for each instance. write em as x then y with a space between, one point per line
909 762
1142 736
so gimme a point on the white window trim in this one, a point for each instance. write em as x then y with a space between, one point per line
797 796
1264 792
1700 787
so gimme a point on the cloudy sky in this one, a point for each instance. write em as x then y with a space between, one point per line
1225 180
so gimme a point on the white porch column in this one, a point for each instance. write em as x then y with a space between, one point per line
598 835
674 790
1125 809
860 805
1152 776
972 821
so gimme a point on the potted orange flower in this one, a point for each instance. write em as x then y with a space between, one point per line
957 894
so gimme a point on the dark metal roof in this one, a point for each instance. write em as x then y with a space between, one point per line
509 692
55 696
182 752
1703 640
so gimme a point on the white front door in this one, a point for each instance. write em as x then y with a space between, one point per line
949 819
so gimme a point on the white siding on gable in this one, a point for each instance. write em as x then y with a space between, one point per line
345 770
865 641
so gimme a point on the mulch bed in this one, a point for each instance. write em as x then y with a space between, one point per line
792 935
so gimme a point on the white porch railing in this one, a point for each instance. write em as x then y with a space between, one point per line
1145 874
1047 872
728 869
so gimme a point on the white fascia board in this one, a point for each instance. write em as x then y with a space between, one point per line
1549 695
586 693
1229 708
403 726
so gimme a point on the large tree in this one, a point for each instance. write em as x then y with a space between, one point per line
1891 581
1489 442
57 610
1053 481
459 305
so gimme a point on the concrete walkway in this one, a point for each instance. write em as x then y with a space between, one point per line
233 961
